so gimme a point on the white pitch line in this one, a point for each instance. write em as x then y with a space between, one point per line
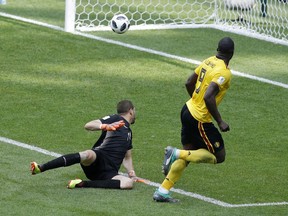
154 184
143 49
183 59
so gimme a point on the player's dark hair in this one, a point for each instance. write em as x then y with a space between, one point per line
124 106
226 45
225 49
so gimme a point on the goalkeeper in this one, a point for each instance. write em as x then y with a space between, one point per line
102 163
201 140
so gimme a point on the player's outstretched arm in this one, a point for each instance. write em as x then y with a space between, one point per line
113 126
97 125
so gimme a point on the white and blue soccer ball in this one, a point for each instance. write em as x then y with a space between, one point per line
120 23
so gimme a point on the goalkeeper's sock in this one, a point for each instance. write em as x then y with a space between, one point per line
110 183
65 160
197 156
174 174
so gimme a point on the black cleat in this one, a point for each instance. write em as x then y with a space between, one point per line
169 158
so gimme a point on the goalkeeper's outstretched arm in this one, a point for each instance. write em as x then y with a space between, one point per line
128 164
97 125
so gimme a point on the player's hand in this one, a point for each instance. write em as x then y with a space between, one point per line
132 174
113 126
224 127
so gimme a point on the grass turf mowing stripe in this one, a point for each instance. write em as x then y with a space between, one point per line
143 49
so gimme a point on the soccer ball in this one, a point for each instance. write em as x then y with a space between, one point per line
120 23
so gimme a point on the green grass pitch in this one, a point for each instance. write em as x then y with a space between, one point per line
52 83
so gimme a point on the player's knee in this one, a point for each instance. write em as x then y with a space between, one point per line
220 159
220 156
126 184
87 157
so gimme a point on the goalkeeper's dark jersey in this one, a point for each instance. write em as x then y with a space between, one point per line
115 144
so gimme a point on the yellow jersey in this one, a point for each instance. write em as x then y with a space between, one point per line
210 70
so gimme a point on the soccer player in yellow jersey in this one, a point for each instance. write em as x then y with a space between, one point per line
202 142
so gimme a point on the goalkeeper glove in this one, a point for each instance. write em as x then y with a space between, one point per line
113 126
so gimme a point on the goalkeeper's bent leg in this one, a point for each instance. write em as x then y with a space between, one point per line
62 161
109 183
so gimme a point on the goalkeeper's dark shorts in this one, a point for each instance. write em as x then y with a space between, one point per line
198 134
101 168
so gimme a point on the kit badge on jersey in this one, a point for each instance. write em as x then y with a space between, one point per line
221 80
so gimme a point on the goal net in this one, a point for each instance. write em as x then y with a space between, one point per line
266 19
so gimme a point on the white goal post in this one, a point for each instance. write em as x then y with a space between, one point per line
264 19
